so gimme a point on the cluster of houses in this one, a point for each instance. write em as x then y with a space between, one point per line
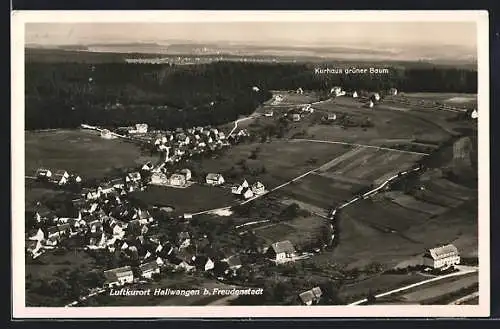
58 177
187 142
181 178
247 191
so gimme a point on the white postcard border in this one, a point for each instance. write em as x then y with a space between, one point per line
19 18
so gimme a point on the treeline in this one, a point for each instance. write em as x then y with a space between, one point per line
167 96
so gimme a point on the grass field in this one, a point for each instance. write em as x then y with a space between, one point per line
436 289
186 200
282 160
299 231
79 151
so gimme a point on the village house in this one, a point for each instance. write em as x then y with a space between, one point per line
441 257
60 177
354 94
58 231
159 178
247 193
299 91
133 177
255 88
214 179
269 114
106 134
370 104
474 114
140 128
203 263
295 117
258 188
148 269
375 97
230 265
393 91
177 180
281 252
148 166
143 216
118 276
330 117
337 91
311 297
43 174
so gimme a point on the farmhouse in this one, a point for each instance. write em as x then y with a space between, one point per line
443 256
337 91
310 297
281 252
214 179
295 117
474 114
177 180
106 134
393 91
369 104
299 91
43 173
330 117
159 178
269 114
60 177
247 193
355 94
133 177
255 88
118 276
140 128
258 188
148 269
147 166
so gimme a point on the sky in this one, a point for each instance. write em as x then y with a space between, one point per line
260 33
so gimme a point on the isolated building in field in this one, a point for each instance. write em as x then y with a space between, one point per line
281 252
355 94
393 91
295 117
214 179
370 104
474 114
269 114
299 91
441 257
375 97
118 276
148 269
255 88
311 297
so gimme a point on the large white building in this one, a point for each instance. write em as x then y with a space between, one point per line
443 256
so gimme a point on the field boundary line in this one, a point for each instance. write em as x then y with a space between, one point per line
356 144
387 293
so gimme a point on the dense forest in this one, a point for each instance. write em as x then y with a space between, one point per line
64 95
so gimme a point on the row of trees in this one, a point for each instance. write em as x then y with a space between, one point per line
166 96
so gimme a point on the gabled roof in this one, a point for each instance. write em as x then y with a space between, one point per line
443 251
233 261
283 246
213 176
115 273
306 296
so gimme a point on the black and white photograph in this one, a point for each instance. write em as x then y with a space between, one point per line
263 164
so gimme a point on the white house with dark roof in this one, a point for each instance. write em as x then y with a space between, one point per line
443 256
214 179
148 269
311 297
119 276
281 252
42 173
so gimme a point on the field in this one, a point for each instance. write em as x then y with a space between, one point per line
293 98
282 161
51 266
437 290
186 200
299 231
446 98
79 151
